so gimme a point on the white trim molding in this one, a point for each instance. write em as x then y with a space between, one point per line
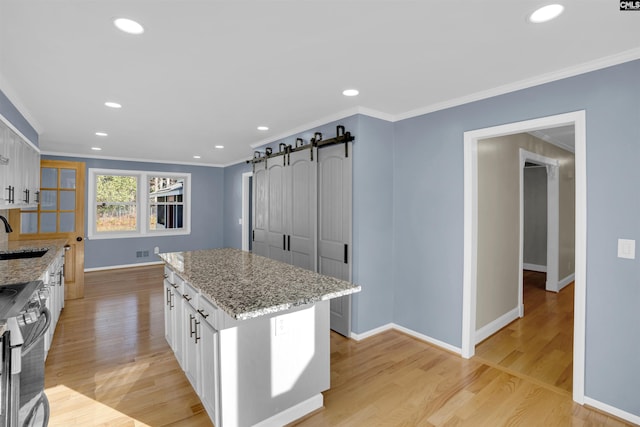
534 267
492 327
469 292
118 267
627 416
443 345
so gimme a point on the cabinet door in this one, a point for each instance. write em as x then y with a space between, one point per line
169 313
277 189
334 227
208 348
259 211
191 342
302 209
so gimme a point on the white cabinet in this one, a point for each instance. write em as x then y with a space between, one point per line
19 170
169 308
53 289
191 323
208 363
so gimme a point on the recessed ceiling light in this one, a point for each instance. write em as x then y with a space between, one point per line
111 104
96 148
101 134
263 128
219 147
546 13
196 157
350 92
128 26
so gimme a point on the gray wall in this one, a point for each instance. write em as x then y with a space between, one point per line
428 217
534 216
206 216
11 113
498 271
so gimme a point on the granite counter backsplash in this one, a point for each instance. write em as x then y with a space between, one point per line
28 269
247 286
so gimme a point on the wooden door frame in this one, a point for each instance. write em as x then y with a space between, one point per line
469 293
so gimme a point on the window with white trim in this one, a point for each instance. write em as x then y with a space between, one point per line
125 203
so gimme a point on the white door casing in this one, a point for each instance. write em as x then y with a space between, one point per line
553 219
471 138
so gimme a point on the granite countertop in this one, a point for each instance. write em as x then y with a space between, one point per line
28 269
245 285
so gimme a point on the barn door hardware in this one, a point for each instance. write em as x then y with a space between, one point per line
284 157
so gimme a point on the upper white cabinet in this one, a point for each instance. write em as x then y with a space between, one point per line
19 170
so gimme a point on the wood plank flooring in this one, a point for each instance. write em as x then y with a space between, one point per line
110 366
539 345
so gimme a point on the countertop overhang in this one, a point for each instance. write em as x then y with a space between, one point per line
28 269
246 286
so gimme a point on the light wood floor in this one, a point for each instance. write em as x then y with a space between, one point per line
539 345
110 366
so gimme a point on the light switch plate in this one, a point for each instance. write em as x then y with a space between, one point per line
626 248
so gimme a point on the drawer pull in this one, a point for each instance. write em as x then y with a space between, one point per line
187 297
202 313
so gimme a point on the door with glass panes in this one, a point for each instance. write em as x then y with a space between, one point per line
59 215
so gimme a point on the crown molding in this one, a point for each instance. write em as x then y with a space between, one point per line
585 67
129 159
10 93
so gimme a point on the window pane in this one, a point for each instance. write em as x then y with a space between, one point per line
49 178
115 217
165 202
48 200
48 223
67 200
116 188
28 222
67 178
67 222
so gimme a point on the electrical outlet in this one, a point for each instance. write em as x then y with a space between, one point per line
156 250
282 325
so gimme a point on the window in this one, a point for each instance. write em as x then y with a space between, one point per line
138 203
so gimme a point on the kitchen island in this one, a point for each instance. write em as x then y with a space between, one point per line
251 333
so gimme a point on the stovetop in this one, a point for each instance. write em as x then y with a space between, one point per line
13 298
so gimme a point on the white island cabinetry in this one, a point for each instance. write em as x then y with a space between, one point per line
255 339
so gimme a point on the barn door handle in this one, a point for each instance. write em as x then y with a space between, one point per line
346 253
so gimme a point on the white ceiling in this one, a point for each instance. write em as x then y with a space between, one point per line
209 72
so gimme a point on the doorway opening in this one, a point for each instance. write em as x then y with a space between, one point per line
471 231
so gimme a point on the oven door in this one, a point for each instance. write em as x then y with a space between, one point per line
34 406
5 373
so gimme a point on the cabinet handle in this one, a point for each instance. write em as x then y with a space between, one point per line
191 319
10 190
166 276
37 196
26 196
168 297
202 313
187 297
197 323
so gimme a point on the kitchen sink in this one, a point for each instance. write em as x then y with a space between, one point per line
24 253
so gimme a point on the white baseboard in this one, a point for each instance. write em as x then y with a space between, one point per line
116 267
534 267
564 282
295 412
491 328
407 331
370 333
627 416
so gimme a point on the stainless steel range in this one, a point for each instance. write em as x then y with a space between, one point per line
24 321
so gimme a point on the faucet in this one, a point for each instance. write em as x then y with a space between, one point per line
7 227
